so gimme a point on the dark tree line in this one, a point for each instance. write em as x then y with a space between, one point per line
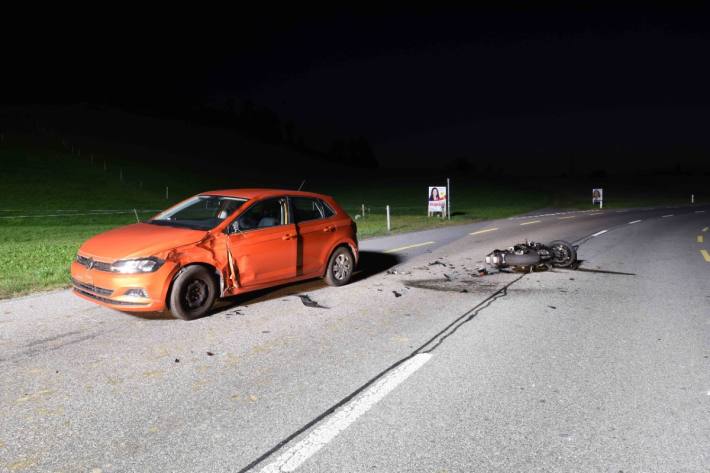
260 123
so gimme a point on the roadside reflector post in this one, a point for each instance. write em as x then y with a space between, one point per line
363 210
137 219
692 198
448 198
388 218
166 192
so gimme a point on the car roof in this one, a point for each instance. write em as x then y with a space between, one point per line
258 193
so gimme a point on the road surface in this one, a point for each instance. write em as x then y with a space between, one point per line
419 365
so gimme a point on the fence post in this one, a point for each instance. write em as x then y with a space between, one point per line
363 210
388 218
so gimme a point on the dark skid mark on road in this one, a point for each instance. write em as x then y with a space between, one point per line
449 285
51 339
38 349
603 271
438 338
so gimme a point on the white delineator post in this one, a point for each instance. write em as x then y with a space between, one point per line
166 192
388 218
363 210
692 198
448 198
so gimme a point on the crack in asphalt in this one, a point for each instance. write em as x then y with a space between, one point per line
437 340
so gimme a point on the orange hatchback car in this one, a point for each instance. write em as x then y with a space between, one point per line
217 244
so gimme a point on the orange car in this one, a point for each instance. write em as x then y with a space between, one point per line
217 244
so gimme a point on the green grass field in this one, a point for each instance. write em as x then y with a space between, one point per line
49 198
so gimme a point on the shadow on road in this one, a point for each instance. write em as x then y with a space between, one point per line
370 264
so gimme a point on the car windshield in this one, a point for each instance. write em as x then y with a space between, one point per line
202 212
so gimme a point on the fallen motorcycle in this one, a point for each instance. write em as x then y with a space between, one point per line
530 256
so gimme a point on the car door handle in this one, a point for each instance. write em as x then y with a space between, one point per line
287 236
329 228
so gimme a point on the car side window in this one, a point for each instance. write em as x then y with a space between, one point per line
325 208
263 214
305 208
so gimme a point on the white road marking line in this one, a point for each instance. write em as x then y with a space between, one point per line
600 233
635 221
705 229
563 218
666 216
344 416
530 223
597 213
621 211
700 239
706 255
416 245
699 211
484 231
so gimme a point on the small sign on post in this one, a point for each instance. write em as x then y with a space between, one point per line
598 197
437 201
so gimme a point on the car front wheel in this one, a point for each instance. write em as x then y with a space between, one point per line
194 291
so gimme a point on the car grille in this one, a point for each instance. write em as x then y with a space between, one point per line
105 300
92 288
93 264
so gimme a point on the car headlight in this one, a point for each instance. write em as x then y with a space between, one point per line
132 266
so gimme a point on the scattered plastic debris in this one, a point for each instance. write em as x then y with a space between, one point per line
437 262
308 302
396 294
448 278
177 360
552 307
209 353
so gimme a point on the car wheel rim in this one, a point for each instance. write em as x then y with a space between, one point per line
196 294
341 267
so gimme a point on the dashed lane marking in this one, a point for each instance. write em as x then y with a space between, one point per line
705 229
563 218
635 221
600 233
706 255
699 211
666 216
530 223
416 245
485 230
596 213
700 238
343 417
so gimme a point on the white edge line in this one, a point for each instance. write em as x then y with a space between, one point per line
600 233
408 247
344 416
665 216
699 211
635 221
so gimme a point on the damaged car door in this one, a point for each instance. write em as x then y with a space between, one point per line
263 243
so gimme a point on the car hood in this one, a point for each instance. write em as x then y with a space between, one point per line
138 240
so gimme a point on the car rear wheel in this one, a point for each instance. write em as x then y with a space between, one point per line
194 291
340 267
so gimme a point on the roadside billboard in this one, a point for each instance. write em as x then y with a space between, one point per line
437 200
597 196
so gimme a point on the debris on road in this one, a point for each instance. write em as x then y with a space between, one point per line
177 360
530 256
308 302
437 262
448 278
209 353
552 307
396 294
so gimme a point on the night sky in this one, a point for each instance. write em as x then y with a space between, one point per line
421 84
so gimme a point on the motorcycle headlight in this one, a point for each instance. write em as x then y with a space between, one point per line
133 266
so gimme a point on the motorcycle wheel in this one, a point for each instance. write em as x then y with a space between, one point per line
563 253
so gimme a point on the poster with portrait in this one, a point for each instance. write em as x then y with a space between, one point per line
597 196
437 200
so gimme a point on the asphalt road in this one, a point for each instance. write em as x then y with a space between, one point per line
423 368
